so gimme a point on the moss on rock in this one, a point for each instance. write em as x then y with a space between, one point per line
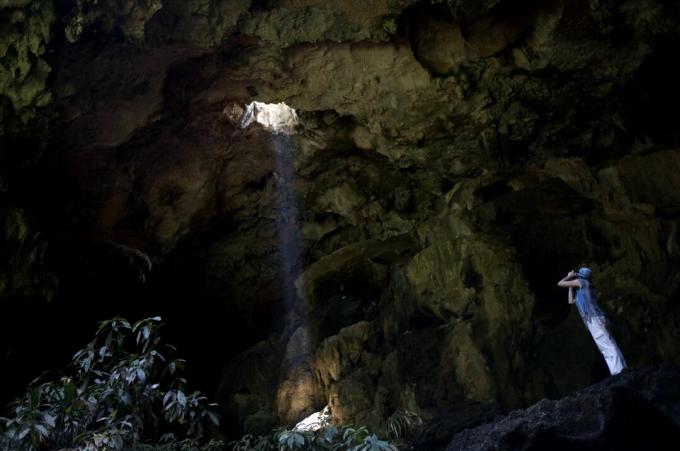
129 17
26 32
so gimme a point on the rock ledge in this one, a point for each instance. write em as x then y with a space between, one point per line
636 410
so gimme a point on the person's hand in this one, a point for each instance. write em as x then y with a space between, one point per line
571 274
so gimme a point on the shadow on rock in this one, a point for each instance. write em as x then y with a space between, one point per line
637 410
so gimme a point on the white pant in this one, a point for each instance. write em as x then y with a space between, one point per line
597 326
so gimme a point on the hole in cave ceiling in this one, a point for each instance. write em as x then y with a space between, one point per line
274 117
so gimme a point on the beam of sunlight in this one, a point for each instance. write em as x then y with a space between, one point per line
287 217
282 122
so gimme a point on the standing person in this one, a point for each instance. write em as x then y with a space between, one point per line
581 292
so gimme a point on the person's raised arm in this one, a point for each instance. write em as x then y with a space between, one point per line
569 281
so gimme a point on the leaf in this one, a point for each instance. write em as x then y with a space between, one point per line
214 418
42 430
181 398
105 402
168 397
103 325
137 325
50 420
69 390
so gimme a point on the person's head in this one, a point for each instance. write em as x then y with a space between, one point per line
584 273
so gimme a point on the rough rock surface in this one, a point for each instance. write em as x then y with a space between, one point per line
25 36
454 159
439 431
22 271
637 410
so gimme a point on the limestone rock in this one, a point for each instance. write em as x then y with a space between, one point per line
298 395
351 399
444 36
341 353
22 251
344 365
342 270
200 23
125 16
453 160
23 73
660 189
637 410
248 386
439 431
294 22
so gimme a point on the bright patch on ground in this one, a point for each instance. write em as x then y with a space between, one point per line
316 421
275 117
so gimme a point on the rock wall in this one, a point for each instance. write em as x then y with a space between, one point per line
471 311
453 161
636 411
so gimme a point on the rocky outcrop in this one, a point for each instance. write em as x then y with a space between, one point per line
439 431
637 410
471 312
521 92
400 250
293 21
22 265
26 34
123 16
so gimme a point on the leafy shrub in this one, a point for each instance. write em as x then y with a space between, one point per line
123 391
324 439
403 424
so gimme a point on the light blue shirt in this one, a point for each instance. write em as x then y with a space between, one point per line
586 301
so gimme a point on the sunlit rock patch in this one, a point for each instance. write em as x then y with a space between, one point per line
274 117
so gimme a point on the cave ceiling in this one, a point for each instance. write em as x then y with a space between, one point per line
447 153
452 89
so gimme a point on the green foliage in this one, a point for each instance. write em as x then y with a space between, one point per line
390 26
123 391
327 438
250 443
403 424
373 443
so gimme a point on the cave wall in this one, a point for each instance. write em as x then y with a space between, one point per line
454 160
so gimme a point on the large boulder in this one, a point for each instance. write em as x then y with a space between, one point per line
637 410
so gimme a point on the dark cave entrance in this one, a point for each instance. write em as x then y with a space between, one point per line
207 327
206 317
